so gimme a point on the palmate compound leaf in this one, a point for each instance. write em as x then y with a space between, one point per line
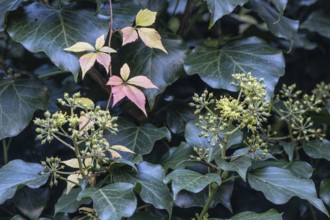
5 7
183 179
279 185
145 17
17 173
113 201
129 35
216 66
162 69
19 99
151 38
220 8
44 29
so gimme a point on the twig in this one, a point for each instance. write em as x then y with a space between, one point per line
109 44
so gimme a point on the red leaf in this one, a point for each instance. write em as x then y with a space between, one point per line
115 81
142 81
137 97
86 62
118 93
103 59
129 35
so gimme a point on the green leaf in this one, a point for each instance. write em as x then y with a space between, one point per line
325 191
5 7
43 29
319 22
31 202
317 149
271 214
215 66
189 180
280 5
18 101
153 190
139 139
154 63
112 201
240 165
279 185
277 24
68 203
177 116
18 173
223 195
191 135
176 155
143 215
221 8
289 147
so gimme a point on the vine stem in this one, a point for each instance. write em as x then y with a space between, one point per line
109 44
213 187
76 150
5 149
52 74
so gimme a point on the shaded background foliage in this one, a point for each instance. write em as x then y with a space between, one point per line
290 44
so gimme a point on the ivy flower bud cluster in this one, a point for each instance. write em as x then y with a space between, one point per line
294 107
52 165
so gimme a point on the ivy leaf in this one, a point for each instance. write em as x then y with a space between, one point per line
176 155
289 147
5 7
154 64
145 17
215 66
240 165
151 38
317 149
319 22
108 201
32 28
277 24
139 139
280 5
192 137
325 191
17 173
68 202
129 35
271 214
279 185
19 99
153 190
221 8
183 179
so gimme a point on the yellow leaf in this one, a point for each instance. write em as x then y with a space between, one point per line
124 72
86 102
114 154
71 163
100 42
80 47
106 49
74 178
88 162
122 148
86 62
145 17
151 38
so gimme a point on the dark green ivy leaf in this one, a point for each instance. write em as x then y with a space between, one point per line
279 185
271 214
161 68
18 101
44 29
183 179
176 155
279 25
216 66
240 165
221 8
319 22
68 203
5 7
139 139
17 173
113 201
317 149
325 191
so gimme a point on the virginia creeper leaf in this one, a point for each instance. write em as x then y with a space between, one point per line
86 62
5 7
279 185
145 17
139 139
19 99
41 28
189 180
215 66
80 47
113 201
151 38
129 35
17 173
220 8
